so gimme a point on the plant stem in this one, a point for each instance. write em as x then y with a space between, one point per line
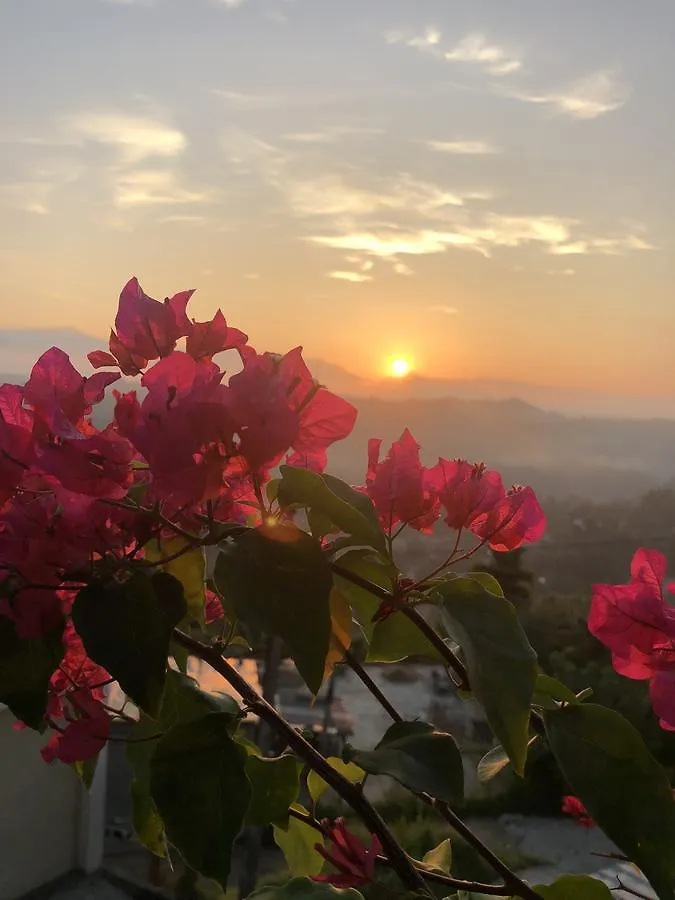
363 676
512 883
439 644
497 890
350 793
411 612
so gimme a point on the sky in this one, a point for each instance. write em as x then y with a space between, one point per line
483 188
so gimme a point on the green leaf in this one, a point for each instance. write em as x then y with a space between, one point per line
199 785
334 501
317 786
424 761
126 628
86 770
146 821
396 638
549 693
304 889
608 766
26 667
279 581
501 664
367 565
495 761
440 858
297 841
183 701
189 568
274 788
574 887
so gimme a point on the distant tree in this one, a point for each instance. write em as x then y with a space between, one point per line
515 580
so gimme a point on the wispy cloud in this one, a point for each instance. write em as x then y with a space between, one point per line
475 48
355 277
330 135
153 187
588 98
430 39
135 138
464 148
331 195
490 231
34 193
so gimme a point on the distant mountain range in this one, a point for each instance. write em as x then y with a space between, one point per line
19 348
556 399
561 442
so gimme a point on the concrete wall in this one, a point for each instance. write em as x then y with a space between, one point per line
48 823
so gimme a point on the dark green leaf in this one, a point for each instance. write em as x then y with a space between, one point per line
495 761
396 638
549 693
279 581
335 502
366 565
182 701
502 665
608 766
440 858
304 889
199 785
297 841
274 788
26 667
126 628
574 887
424 761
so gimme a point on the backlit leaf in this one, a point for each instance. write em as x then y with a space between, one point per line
274 788
317 786
501 664
297 841
625 790
26 667
279 581
199 785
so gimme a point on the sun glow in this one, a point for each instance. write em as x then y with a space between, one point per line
399 367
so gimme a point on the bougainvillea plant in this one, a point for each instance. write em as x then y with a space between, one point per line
201 522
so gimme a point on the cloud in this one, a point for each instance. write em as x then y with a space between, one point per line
329 135
331 195
464 148
355 277
475 48
444 310
135 138
431 38
488 232
603 246
153 187
588 98
34 193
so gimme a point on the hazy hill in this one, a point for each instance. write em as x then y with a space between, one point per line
594 456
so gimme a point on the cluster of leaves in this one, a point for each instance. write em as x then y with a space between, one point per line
105 579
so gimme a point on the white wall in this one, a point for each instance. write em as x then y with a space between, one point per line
48 823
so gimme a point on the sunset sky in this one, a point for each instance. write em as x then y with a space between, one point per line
482 188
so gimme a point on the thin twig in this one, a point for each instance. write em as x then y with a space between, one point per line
363 675
350 793
452 660
513 884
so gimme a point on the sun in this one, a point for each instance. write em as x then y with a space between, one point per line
399 367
